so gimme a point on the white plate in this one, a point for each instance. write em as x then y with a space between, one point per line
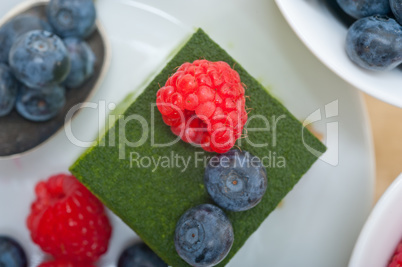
382 232
319 220
325 36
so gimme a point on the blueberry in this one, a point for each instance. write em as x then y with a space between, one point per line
203 236
40 104
11 253
364 8
82 62
140 255
375 43
39 59
72 18
8 90
236 180
396 7
338 13
17 26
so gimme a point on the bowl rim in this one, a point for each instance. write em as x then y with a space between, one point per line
375 221
25 6
387 98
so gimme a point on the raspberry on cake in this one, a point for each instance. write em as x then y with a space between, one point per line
68 221
151 201
204 104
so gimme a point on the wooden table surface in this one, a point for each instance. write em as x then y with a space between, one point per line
386 124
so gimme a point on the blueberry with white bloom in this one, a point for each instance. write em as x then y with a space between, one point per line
39 59
236 180
203 236
82 60
40 104
16 27
8 90
72 18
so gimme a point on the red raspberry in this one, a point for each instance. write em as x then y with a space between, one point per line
64 263
204 103
68 221
396 260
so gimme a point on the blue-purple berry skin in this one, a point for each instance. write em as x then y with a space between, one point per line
40 104
204 236
11 253
16 27
365 8
140 255
72 18
396 7
8 90
236 180
375 43
39 59
82 60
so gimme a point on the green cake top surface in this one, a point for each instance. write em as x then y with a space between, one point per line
150 186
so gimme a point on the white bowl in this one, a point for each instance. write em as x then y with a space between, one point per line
382 232
325 36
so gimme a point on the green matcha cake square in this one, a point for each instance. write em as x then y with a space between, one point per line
149 186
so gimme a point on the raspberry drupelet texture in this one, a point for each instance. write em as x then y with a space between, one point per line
204 104
64 263
68 221
396 260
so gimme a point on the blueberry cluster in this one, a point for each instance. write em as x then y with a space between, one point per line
236 181
374 41
39 59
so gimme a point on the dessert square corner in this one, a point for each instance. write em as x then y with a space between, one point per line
150 197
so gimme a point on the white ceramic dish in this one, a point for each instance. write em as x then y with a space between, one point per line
325 36
382 232
319 221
